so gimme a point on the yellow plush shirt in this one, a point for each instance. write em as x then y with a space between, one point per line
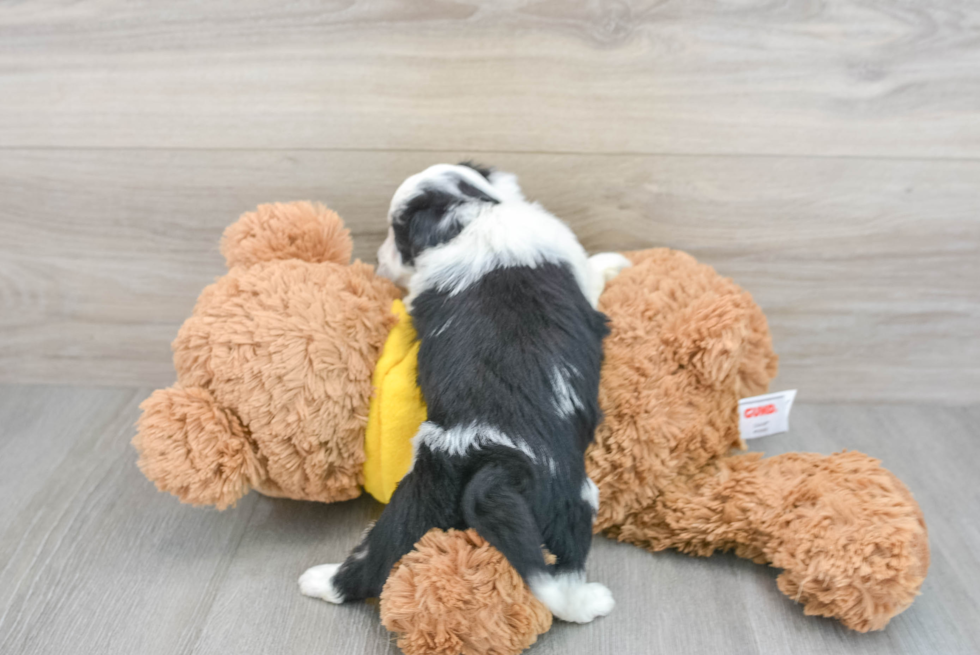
397 409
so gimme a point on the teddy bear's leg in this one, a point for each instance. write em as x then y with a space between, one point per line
854 545
603 267
404 521
455 593
849 537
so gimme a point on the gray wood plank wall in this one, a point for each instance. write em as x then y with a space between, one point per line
826 156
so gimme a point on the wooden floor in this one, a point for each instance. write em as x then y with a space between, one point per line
94 561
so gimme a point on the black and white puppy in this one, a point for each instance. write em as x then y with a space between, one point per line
503 298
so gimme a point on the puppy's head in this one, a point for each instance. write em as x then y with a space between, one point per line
432 207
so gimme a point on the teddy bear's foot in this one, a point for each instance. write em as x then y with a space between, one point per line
475 602
317 582
571 598
866 550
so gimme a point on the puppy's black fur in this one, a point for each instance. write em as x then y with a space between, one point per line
488 357
482 170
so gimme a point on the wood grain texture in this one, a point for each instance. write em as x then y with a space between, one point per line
866 268
86 562
94 561
793 77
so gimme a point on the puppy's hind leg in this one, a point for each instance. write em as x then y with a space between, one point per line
362 575
569 537
493 505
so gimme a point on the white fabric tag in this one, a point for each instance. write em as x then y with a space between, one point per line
760 416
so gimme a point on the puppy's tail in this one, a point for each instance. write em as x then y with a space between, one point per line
494 505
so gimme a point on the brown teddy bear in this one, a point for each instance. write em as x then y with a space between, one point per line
274 391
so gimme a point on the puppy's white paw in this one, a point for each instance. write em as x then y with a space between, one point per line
608 264
602 268
587 602
571 598
317 582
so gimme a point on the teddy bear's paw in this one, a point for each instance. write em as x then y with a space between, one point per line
317 582
571 598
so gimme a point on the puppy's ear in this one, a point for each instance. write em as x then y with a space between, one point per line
426 221
485 171
506 186
470 191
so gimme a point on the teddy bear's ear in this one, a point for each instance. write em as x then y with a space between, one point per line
292 230
194 449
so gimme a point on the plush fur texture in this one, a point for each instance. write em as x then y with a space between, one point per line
273 367
456 594
685 344
305 231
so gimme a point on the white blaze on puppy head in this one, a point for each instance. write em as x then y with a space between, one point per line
451 225
445 188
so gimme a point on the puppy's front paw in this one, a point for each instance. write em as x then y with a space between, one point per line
608 265
317 582
603 268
